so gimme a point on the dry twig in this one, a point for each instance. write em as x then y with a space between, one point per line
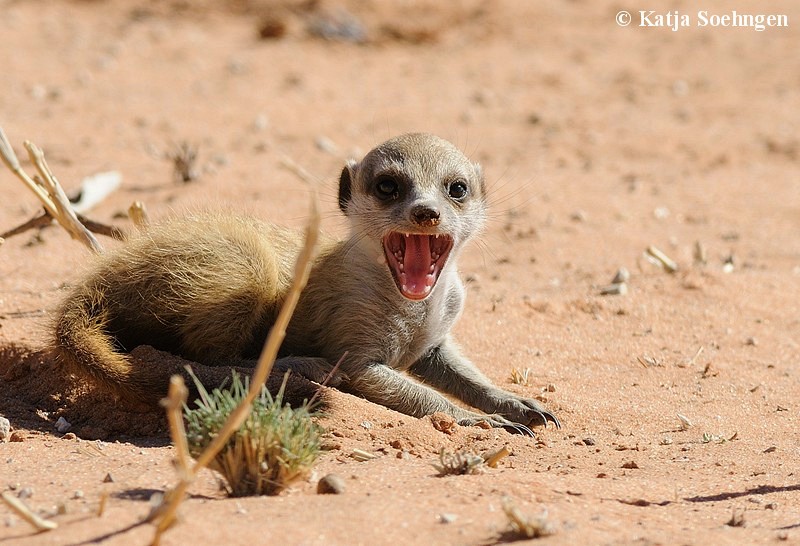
44 219
657 256
491 458
164 515
47 190
25 513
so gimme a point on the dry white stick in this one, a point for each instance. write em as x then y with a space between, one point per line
25 513
47 190
63 210
665 261
165 514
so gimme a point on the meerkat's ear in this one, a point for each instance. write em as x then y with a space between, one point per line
345 184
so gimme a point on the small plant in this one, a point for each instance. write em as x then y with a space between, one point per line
275 446
520 377
524 526
184 162
459 463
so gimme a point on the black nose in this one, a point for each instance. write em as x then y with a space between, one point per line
424 215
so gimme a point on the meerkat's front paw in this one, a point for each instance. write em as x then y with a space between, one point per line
526 410
318 370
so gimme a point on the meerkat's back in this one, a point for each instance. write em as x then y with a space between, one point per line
196 286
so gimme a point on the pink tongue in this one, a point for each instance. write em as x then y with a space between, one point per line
417 263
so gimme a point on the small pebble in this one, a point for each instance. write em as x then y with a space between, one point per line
447 518
661 213
622 275
589 441
62 425
109 478
261 122
25 493
5 428
326 145
330 485
272 28
614 289
16 436
578 216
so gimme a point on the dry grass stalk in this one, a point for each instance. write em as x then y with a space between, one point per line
164 515
491 458
184 162
44 219
525 527
686 424
41 220
361 456
101 506
47 190
520 377
656 255
137 212
25 513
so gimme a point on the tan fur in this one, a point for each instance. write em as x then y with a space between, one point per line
207 288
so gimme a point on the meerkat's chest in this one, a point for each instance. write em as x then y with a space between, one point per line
425 327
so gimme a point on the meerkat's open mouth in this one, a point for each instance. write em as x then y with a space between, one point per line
416 261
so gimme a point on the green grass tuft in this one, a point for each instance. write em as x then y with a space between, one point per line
275 446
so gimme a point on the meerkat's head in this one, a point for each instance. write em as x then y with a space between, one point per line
418 199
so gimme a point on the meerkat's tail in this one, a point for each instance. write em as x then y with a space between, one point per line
84 345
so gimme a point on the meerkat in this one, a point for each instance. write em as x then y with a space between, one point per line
207 287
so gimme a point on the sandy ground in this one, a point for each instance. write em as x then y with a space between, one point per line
597 140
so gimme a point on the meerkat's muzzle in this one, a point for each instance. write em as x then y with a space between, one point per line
416 261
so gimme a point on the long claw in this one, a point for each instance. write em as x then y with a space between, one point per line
547 416
516 428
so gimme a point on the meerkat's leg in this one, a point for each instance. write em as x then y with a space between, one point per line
446 370
383 385
158 366
315 369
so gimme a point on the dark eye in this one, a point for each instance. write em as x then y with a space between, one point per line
458 190
387 188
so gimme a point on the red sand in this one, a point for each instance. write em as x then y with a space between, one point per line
597 141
